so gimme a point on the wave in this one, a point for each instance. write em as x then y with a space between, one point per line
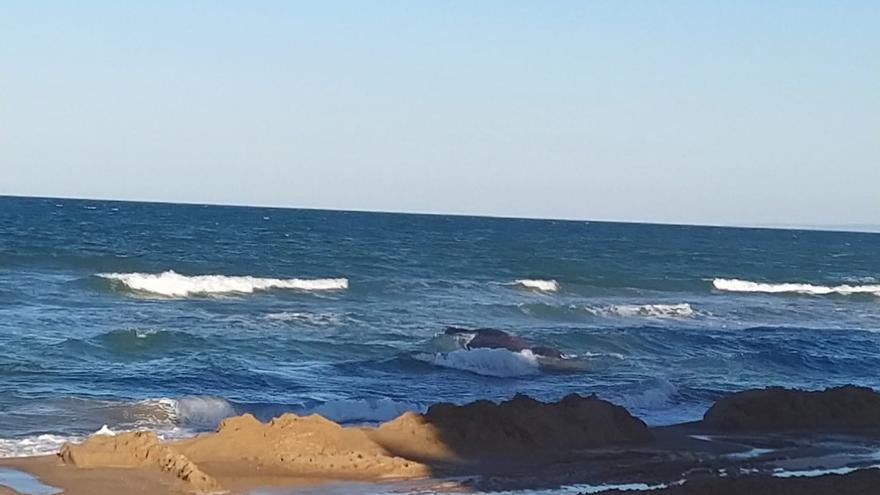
201 411
34 445
315 319
656 393
538 285
364 410
487 362
139 340
163 413
737 285
681 310
169 418
173 284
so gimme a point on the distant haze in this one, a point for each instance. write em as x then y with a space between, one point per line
747 113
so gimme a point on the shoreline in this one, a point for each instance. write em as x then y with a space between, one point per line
771 439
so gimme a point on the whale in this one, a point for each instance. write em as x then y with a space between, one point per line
493 338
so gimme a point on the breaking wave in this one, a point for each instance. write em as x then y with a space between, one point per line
195 411
169 418
538 285
173 284
487 362
737 285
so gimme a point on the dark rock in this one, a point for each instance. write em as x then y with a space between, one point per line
525 424
783 409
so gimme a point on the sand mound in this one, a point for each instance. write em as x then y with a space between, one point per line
133 450
310 446
520 426
784 409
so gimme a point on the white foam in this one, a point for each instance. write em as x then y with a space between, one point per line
104 431
749 454
34 445
736 285
812 473
624 487
681 310
487 362
172 284
364 410
451 487
538 285
583 488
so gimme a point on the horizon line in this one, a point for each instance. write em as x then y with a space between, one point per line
843 228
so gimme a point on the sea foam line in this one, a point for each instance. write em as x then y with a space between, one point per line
737 285
173 284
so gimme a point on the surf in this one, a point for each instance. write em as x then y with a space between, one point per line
738 285
537 285
174 285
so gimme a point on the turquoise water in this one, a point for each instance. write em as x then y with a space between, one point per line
336 312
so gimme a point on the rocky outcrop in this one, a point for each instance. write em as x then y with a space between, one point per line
520 426
783 409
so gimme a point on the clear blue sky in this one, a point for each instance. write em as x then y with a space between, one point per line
741 112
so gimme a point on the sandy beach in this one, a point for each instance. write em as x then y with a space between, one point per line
760 441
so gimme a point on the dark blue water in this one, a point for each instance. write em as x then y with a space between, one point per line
91 333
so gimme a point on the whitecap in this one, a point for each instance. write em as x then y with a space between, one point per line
487 362
173 284
737 285
538 285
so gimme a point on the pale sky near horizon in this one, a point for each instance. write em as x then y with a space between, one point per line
744 112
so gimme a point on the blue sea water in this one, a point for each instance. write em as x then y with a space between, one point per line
172 317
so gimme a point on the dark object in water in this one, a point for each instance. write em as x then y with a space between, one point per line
492 338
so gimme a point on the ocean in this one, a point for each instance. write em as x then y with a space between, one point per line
172 317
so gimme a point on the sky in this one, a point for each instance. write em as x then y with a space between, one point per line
732 113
